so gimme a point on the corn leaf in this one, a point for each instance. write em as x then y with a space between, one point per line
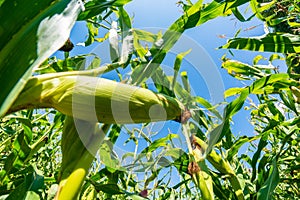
96 7
265 192
273 42
241 70
258 8
162 142
32 182
237 145
110 188
232 91
177 65
28 40
145 35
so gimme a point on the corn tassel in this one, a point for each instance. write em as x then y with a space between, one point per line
90 98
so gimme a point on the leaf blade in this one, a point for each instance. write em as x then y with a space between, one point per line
32 44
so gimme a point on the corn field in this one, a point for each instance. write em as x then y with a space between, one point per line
68 131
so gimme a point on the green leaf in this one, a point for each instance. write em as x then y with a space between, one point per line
182 163
272 84
259 8
114 133
21 119
215 135
177 65
162 83
30 195
289 101
239 16
236 104
153 176
262 143
106 156
241 70
108 188
179 58
21 146
236 146
144 35
103 38
207 105
97 7
258 58
162 142
32 182
96 62
232 91
185 82
265 192
92 32
175 153
275 57
30 40
124 20
273 42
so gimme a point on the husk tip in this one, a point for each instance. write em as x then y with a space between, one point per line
184 117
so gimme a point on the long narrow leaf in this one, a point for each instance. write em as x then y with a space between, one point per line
265 192
273 42
42 29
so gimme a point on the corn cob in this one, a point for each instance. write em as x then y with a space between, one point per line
90 98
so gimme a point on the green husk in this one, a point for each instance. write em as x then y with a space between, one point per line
80 143
90 98
221 165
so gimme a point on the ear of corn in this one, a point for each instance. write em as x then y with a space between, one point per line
90 98
205 185
220 164
77 154
80 142
72 185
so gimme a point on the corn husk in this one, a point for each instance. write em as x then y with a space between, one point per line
97 99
